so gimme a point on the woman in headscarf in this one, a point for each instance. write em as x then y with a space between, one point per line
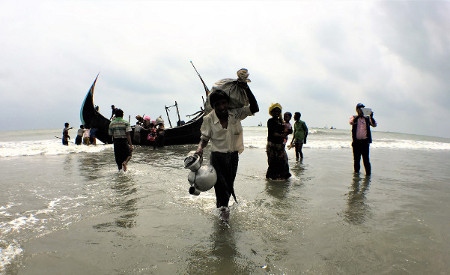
276 153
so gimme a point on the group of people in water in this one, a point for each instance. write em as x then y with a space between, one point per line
278 130
148 132
222 128
227 105
85 135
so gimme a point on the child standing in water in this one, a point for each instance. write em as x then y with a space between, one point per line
300 134
287 125
287 130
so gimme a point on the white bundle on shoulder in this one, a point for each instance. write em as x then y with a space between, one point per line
234 88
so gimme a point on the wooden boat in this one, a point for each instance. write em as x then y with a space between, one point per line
91 118
183 133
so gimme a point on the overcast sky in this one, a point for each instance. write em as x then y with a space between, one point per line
317 57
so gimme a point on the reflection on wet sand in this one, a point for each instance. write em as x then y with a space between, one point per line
219 255
280 189
125 202
298 169
92 166
357 208
277 189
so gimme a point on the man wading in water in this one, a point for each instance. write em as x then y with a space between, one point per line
120 130
222 126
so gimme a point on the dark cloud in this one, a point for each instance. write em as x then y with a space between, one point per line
418 32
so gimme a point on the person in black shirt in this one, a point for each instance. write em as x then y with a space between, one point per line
65 136
113 112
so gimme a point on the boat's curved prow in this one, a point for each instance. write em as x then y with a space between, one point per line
88 101
91 118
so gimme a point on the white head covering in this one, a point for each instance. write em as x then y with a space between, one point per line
243 75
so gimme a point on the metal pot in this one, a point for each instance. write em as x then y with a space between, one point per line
203 179
193 162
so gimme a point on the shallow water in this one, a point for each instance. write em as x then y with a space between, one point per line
74 213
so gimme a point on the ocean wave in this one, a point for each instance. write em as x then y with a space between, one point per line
254 137
45 147
15 221
336 143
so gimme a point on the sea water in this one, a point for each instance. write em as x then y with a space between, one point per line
66 209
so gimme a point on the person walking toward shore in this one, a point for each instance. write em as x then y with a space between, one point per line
222 126
300 134
120 130
362 137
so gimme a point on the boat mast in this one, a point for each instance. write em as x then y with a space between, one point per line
168 118
178 114
204 85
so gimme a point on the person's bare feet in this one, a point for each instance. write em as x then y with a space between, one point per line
124 165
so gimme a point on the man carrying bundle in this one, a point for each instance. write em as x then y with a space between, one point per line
222 126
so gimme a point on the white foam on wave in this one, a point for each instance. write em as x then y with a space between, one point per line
331 142
8 252
205 201
3 210
21 222
12 223
324 144
17 222
45 147
410 144
253 138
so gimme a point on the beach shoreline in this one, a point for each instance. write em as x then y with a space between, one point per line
75 213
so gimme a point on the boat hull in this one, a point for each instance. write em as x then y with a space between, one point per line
188 133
